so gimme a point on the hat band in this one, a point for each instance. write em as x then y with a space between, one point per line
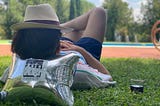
44 22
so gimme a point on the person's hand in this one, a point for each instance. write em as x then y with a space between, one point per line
67 45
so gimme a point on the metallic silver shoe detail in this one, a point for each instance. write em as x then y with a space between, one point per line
55 75
3 95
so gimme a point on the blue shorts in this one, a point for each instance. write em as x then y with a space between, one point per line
91 45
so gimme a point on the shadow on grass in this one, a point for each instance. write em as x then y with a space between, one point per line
122 70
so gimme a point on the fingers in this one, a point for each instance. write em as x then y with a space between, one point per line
66 41
65 45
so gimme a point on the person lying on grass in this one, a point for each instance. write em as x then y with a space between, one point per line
43 43
41 36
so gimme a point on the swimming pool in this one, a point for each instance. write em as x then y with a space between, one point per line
124 44
108 44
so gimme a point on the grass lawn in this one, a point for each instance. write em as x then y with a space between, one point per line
5 41
122 70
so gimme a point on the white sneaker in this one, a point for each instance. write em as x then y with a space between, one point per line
87 77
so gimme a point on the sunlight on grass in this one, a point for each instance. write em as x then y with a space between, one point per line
122 70
5 41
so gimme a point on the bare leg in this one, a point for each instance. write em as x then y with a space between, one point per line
92 24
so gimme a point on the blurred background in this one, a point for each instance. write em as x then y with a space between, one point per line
127 21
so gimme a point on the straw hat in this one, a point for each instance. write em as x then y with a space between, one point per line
40 16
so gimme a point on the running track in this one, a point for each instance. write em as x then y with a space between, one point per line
109 52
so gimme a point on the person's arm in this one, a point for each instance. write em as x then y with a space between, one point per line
91 61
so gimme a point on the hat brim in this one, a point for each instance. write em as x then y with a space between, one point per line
25 25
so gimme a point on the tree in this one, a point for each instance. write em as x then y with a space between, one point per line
62 9
86 6
15 11
150 15
2 16
12 16
78 7
72 9
119 16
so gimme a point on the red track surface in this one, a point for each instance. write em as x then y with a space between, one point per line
110 52
132 52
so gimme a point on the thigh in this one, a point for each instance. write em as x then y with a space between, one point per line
96 24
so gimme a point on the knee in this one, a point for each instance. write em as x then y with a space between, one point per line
100 11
